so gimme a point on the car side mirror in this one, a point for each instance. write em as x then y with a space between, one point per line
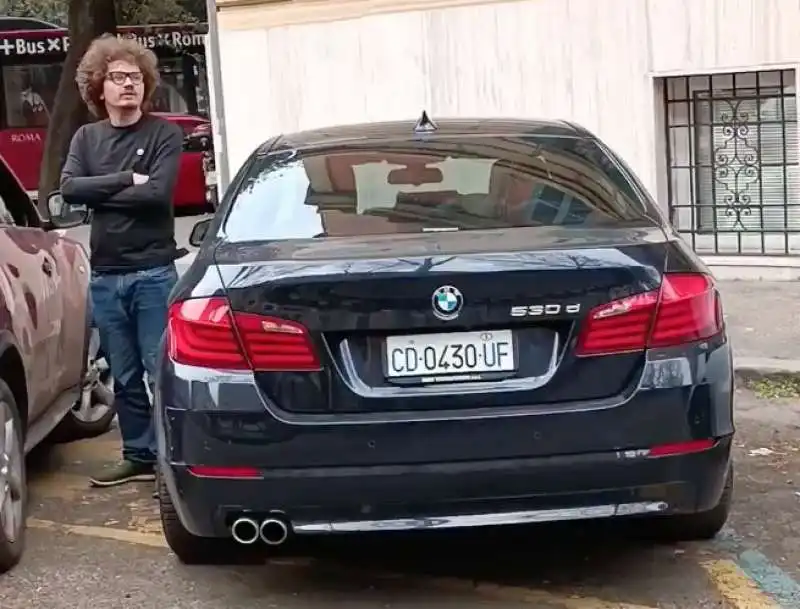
63 214
199 232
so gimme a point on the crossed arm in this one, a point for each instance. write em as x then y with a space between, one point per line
117 191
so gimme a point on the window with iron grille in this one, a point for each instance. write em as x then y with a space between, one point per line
732 160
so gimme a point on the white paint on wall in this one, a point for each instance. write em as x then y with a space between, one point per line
596 62
533 58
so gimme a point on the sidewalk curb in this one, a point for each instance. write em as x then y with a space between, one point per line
754 368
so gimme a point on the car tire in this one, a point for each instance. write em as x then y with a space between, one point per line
193 550
93 413
14 484
694 527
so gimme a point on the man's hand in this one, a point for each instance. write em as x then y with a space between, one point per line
139 179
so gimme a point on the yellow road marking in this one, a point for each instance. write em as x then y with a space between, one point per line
735 587
110 533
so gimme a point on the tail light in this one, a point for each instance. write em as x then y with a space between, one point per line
684 309
205 332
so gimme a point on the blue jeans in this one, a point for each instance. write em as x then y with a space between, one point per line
130 310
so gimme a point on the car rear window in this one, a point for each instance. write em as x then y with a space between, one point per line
432 184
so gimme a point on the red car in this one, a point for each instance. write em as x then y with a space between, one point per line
27 147
191 188
52 382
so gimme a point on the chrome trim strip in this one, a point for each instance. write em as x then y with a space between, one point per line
357 385
480 520
212 375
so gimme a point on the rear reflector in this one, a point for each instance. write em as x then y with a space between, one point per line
686 308
681 448
210 471
205 332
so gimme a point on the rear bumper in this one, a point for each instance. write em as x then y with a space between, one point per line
430 470
444 495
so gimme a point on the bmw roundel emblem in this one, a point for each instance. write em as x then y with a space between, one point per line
447 302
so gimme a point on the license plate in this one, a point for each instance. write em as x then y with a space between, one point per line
453 353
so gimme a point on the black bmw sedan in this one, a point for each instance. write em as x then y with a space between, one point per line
440 324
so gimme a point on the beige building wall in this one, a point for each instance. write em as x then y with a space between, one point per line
300 64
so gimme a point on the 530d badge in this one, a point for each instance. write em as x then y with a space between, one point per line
541 310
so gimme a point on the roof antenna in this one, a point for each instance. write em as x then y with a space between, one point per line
425 124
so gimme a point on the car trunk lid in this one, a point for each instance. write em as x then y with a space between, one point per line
383 343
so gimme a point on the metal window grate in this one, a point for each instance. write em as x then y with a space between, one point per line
732 162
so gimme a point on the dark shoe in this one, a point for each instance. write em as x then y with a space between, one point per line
124 472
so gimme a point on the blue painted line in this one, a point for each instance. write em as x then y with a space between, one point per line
773 581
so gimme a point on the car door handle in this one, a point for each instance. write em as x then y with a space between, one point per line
47 267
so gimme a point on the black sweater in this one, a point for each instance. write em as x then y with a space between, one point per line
133 227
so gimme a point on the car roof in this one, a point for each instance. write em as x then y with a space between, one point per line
404 130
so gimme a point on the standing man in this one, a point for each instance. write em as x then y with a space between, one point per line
124 168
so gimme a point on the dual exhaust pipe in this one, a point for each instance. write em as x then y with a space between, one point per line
272 531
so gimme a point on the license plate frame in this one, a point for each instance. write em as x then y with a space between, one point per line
446 341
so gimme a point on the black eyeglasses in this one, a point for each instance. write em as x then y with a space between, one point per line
119 78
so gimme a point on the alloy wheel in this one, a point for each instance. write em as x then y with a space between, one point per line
97 395
11 464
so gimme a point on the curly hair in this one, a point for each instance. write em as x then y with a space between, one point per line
93 69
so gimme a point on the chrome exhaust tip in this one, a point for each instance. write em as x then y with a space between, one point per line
273 532
245 531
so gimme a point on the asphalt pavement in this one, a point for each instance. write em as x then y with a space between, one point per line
103 548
